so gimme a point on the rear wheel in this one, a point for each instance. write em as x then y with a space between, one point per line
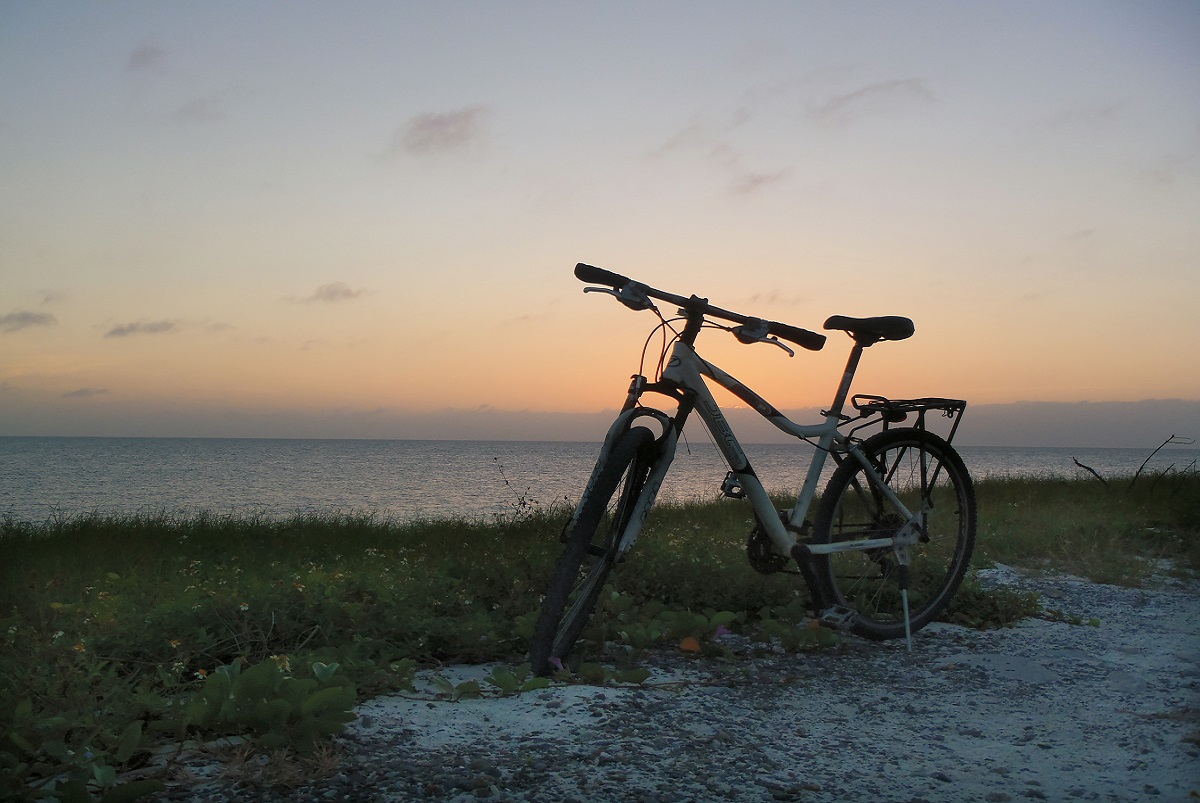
592 538
929 478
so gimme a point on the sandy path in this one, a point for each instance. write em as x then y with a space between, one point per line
1045 711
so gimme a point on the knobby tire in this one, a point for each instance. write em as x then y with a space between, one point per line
923 470
592 539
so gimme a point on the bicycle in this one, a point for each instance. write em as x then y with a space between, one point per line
894 528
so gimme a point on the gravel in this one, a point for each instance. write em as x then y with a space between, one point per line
1046 710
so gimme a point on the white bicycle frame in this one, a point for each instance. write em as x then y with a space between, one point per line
686 370
683 380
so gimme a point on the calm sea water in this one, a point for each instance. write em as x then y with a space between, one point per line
404 480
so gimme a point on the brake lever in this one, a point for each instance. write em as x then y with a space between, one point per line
632 295
774 341
756 330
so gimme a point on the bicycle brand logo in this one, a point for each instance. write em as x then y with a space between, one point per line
726 433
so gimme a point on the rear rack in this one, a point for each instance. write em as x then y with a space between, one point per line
893 411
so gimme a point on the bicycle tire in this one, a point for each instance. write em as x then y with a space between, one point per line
867 582
591 548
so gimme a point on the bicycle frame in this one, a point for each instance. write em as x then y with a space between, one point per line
683 381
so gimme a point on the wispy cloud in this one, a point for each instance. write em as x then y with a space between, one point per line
85 393
1169 168
694 135
440 132
141 328
750 182
715 146
332 293
24 319
877 98
205 109
1089 117
146 58
776 297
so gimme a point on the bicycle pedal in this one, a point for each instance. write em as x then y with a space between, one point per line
837 617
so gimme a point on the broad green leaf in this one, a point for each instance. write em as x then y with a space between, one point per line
632 675
324 671
127 792
105 776
339 698
593 673
504 680
130 739
74 791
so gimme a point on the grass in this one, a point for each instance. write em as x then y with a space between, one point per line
1110 534
107 622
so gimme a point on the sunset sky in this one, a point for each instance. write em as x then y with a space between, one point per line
360 219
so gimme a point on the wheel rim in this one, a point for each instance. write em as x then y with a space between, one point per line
868 582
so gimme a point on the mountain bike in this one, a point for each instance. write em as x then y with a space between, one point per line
893 530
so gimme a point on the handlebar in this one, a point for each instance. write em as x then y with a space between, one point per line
590 274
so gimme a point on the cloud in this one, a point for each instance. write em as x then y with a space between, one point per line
332 293
751 182
141 328
876 98
146 58
23 319
694 135
207 109
1092 117
776 296
1169 168
718 150
440 132
85 393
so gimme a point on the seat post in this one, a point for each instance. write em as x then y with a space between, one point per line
843 391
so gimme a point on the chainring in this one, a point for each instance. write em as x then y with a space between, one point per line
761 553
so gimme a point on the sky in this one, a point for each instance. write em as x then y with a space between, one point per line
303 219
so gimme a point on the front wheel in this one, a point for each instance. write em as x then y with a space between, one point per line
592 539
932 483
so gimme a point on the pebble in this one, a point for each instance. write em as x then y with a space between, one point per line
862 721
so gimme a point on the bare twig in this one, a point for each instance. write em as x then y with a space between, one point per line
1090 470
1173 440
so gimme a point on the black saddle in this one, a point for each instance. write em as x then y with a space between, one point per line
866 331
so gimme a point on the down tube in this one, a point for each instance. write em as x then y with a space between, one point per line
732 451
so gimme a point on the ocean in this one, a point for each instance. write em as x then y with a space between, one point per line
42 478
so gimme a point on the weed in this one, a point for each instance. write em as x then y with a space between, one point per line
113 628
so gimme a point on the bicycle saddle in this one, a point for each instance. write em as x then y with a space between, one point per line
866 331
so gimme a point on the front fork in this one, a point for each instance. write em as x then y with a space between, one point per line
664 453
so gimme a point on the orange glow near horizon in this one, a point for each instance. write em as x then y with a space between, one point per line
216 223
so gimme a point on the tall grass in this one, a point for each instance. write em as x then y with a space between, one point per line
104 620
1115 533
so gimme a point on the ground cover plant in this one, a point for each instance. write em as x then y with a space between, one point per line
121 633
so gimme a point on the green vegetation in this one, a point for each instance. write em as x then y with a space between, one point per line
1108 533
120 633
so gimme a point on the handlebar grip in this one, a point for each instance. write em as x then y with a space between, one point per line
794 334
593 275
